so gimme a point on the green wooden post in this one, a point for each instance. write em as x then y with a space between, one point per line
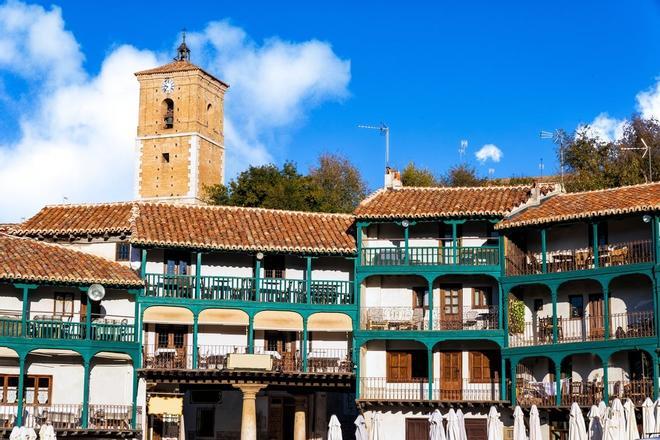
85 400
501 257
198 276
358 240
251 334
502 378
656 238
505 314
500 303
135 395
257 280
606 311
143 264
606 381
24 312
656 391
430 296
21 389
514 393
555 327
303 346
544 251
88 318
137 337
594 232
429 361
195 334
308 280
406 241
558 382
454 240
357 361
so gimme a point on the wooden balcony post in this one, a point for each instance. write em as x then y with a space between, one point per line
88 318
430 294
406 242
544 251
198 276
429 361
143 264
502 378
606 381
25 307
656 390
308 279
606 311
85 399
303 346
555 328
504 311
136 366
499 306
195 335
594 232
454 240
21 389
250 335
656 238
558 382
257 280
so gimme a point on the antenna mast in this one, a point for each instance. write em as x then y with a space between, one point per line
558 138
647 150
384 130
462 148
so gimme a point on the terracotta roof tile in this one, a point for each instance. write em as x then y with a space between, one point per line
96 219
413 202
28 260
177 66
614 201
244 229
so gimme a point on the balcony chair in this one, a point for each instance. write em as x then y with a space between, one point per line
582 259
376 320
619 256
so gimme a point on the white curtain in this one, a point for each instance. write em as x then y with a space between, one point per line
519 424
648 417
534 424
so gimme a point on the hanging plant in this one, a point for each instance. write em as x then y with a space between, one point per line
516 315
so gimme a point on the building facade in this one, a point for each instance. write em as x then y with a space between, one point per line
226 323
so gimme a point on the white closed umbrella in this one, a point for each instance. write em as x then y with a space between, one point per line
648 417
595 431
461 424
632 433
453 430
436 430
576 428
15 433
519 424
30 434
603 412
494 424
360 428
534 424
334 428
656 407
615 425
376 433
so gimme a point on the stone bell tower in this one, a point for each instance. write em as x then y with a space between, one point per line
180 142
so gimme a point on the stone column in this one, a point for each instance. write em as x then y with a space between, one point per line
249 414
299 419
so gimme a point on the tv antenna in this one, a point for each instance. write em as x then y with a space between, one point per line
462 148
541 167
491 173
384 130
558 138
647 150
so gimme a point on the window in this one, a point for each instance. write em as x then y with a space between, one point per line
63 305
38 389
274 266
420 298
479 367
176 263
481 297
166 157
123 251
577 306
405 366
205 426
171 336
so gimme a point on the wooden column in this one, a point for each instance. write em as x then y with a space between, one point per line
303 345
308 279
250 335
606 310
430 296
195 330
198 276
594 232
85 400
558 382
606 381
406 242
514 394
502 378
429 358
20 397
553 295
136 366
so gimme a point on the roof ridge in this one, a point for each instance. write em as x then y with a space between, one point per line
86 204
615 188
371 196
462 188
244 208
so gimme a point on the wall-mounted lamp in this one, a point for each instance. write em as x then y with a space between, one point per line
647 218
405 223
260 255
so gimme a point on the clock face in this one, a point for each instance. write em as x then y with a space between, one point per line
168 85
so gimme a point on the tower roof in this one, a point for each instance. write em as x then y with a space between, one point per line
178 66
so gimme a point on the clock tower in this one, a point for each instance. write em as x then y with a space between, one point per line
180 142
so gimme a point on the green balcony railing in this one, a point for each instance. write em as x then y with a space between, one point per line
53 329
10 326
102 329
431 256
229 288
113 332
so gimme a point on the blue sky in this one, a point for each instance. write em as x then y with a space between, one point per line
488 72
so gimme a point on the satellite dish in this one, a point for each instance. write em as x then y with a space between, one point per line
96 292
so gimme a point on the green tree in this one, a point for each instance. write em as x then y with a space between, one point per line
415 176
587 162
462 175
338 184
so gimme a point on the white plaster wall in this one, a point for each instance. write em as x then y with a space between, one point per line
392 291
227 264
571 236
104 249
329 341
11 299
67 385
111 383
223 335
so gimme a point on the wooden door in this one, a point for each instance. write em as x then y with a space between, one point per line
171 345
417 429
276 418
451 307
451 377
596 316
476 429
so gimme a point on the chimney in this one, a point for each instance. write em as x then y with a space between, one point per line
392 178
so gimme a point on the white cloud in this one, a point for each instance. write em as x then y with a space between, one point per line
648 102
489 152
77 137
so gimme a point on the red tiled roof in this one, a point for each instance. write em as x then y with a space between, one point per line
414 202
245 229
96 219
28 260
178 66
570 206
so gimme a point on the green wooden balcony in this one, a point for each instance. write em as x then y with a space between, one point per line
107 329
229 288
475 256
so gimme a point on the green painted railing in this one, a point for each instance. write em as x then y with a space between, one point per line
52 329
431 256
170 286
10 327
113 332
229 288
